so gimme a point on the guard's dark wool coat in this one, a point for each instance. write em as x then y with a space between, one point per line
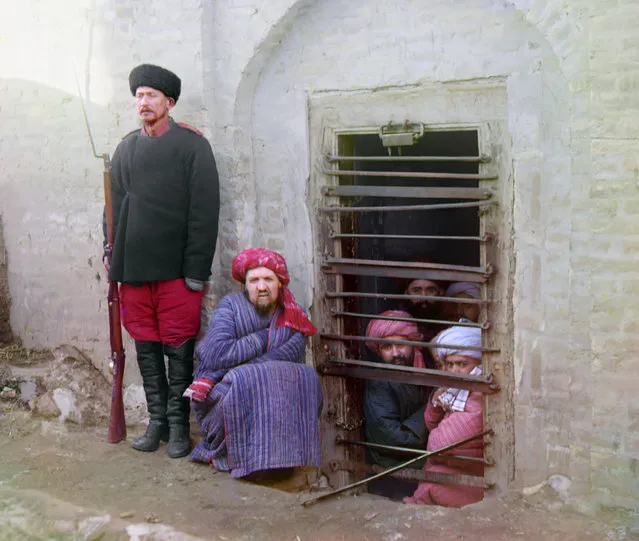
165 207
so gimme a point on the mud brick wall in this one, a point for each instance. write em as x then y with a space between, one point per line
6 335
250 68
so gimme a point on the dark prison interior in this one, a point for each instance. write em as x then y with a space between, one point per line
445 222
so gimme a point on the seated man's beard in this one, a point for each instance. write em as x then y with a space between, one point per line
425 310
265 306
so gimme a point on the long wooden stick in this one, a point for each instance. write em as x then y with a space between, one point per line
406 450
401 466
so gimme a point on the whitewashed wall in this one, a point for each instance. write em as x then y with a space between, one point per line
249 67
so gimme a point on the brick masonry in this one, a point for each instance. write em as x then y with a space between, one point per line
250 68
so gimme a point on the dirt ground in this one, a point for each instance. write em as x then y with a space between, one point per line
60 482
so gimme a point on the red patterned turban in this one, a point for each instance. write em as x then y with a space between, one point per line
381 328
292 316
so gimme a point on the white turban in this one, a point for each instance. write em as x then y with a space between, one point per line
459 337
463 287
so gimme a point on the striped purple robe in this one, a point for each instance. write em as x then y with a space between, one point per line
263 411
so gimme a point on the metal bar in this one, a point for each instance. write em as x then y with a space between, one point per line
472 159
407 450
483 238
409 265
414 343
354 294
86 121
407 191
431 378
394 469
411 273
485 325
414 475
397 174
402 208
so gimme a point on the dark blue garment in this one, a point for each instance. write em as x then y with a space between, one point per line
394 414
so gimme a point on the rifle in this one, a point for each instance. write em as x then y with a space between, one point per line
117 424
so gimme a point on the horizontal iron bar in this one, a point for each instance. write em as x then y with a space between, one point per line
414 475
407 191
451 379
483 238
337 313
429 378
472 159
398 208
411 273
414 343
397 174
346 294
407 450
409 265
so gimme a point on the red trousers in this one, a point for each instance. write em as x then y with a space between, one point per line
167 312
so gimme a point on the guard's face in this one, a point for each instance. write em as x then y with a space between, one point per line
460 364
152 104
263 288
396 353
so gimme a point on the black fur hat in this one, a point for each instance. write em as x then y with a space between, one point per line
156 77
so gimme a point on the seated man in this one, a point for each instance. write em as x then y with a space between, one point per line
257 403
464 310
394 412
452 415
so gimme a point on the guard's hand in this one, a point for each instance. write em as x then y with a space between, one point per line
107 267
193 284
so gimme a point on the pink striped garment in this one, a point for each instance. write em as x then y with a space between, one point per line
446 428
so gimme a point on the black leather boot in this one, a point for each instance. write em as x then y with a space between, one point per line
151 363
179 408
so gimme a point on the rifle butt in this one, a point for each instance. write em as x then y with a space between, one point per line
117 423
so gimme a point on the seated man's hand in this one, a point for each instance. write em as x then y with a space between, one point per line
199 390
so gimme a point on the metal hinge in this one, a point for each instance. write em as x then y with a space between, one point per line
401 135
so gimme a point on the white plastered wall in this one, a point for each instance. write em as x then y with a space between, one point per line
471 41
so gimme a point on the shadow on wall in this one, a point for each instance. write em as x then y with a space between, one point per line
6 336
51 206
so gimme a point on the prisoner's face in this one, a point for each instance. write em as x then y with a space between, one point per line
460 364
263 289
400 354
469 311
424 288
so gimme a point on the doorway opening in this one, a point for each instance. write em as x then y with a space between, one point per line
396 215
